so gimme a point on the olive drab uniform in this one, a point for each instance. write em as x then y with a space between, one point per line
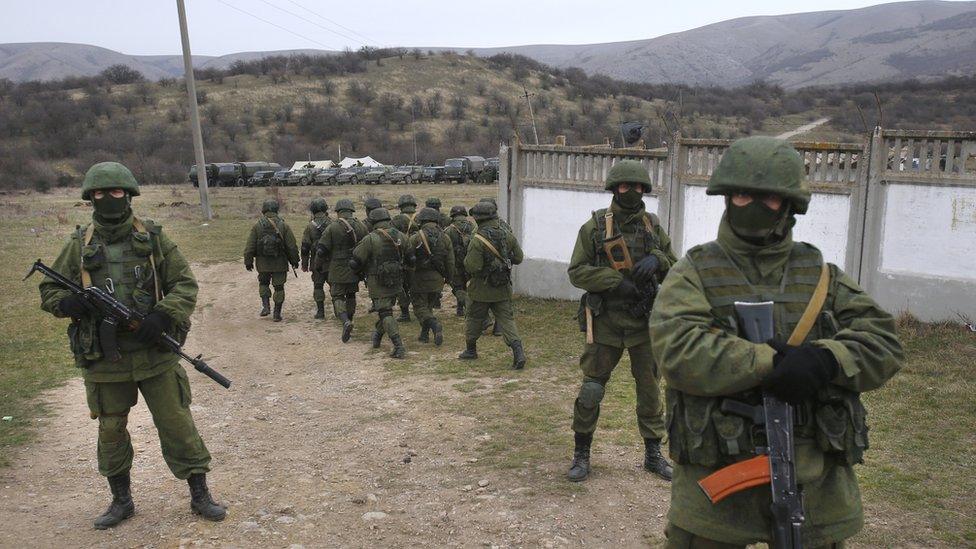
333 252
271 248
705 359
406 223
460 231
434 264
310 238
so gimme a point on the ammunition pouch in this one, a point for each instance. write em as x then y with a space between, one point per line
84 341
596 304
498 273
390 274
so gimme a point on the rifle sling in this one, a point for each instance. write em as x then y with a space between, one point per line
396 243
355 239
814 306
423 238
488 244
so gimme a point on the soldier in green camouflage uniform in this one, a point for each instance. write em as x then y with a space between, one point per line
332 254
496 330
313 232
491 253
442 218
619 303
135 261
459 231
406 223
435 264
272 243
853 347
384 254
369 205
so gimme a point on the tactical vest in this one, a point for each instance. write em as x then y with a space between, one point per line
344 245
436 259
640 238
318 228
700 432
271 242
386 262
460 238
497 271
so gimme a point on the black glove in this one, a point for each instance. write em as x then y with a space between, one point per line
799 372
153 326
73 305
249 265
355 265
645 269
627 289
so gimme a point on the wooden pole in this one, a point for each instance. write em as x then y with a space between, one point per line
191 91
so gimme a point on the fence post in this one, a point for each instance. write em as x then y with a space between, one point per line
676 163
873 214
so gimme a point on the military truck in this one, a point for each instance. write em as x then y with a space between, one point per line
246 170
280 177
211 175
406 174
463 169
351 175
490 174
302 176
377 175
260 179
326 176
432 174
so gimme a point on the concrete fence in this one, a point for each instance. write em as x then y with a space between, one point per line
897 212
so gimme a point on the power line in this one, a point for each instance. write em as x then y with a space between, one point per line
263 20
307 20
324 18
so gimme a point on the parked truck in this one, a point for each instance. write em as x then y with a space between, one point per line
463 169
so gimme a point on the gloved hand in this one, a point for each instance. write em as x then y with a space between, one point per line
627 289
73 305
645 269
799 372
153 326
249 265
355 265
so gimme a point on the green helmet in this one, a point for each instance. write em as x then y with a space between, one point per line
344 205
370 204
763 165
428 215
269 205
459 210
490 201
108 175
433 203
406 200
628 171
379 214
483 211
318 205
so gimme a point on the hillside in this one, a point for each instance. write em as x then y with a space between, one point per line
922 39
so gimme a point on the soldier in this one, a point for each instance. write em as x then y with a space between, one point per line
459 231
332 255
384 254
491 254
443 219
849 345
143 268
369 205
621 253
273 244
501 221
406 224
313 232
435 263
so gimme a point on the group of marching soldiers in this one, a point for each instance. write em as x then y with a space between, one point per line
404 260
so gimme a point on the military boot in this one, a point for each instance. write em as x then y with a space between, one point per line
518 355
471 352
398 350
424 336
580 469
654 461
346 326
277 312
201 503
496 330
435 325
437 302
376 339
121 507
265 306
460 309
319 309
404 314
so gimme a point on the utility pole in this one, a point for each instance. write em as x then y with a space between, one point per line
191 91
527 95
413 127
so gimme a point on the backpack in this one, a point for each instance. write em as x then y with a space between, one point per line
498 259
270 243
429 253
389 263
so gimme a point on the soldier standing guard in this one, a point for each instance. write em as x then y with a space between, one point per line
140 266
272 243
313 232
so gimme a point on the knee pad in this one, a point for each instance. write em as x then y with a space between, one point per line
590 394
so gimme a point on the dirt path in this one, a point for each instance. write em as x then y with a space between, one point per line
803 129
311 447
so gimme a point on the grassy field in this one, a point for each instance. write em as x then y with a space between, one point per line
917 478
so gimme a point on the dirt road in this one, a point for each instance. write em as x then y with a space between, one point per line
803 129
318 444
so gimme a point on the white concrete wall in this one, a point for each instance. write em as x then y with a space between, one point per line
701 215
552 219
930 231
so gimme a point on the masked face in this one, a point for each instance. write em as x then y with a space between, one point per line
629 196
756 221
112 204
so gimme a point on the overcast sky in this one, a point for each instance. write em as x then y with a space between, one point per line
219 27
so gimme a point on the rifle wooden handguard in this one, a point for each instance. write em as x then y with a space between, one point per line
736 478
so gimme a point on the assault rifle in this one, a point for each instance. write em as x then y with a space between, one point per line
115 314
642 307
776 463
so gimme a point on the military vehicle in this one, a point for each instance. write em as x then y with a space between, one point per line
490 174
406 174
463 169
432 174
280 177
246 170
351 175
377 175
211 175
326 176
261 179
302 176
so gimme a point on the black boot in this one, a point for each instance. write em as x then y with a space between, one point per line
376 339
496 330
435 325
654 461
404 314
460 309
277 312
471 352
346 326
319 309
424 336
398 350
265 306
580 469
200 501
437 302
518 355
121 507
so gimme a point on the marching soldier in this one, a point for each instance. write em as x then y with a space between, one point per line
434 264
313 232
369 205
272 244
459 231
443 219
332 254
406 223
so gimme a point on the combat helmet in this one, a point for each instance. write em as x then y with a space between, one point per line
762 165
459 210
428 215
433 202
407 200
370 204
318 205
628 171
270 205
379 214
490 201
344 205
108 175
483 211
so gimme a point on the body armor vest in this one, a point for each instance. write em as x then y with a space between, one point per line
344 245
640 239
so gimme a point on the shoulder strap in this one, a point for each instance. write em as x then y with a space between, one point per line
608 234
86 280
276 228
423 238
396 243
410 224
650 221
813 308
489 245
355 239
139 226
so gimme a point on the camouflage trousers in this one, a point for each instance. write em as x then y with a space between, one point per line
344 298
318 286
275 279
385 324
168 399
423 305
477 315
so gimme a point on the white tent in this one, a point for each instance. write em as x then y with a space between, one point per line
367 161
301 164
